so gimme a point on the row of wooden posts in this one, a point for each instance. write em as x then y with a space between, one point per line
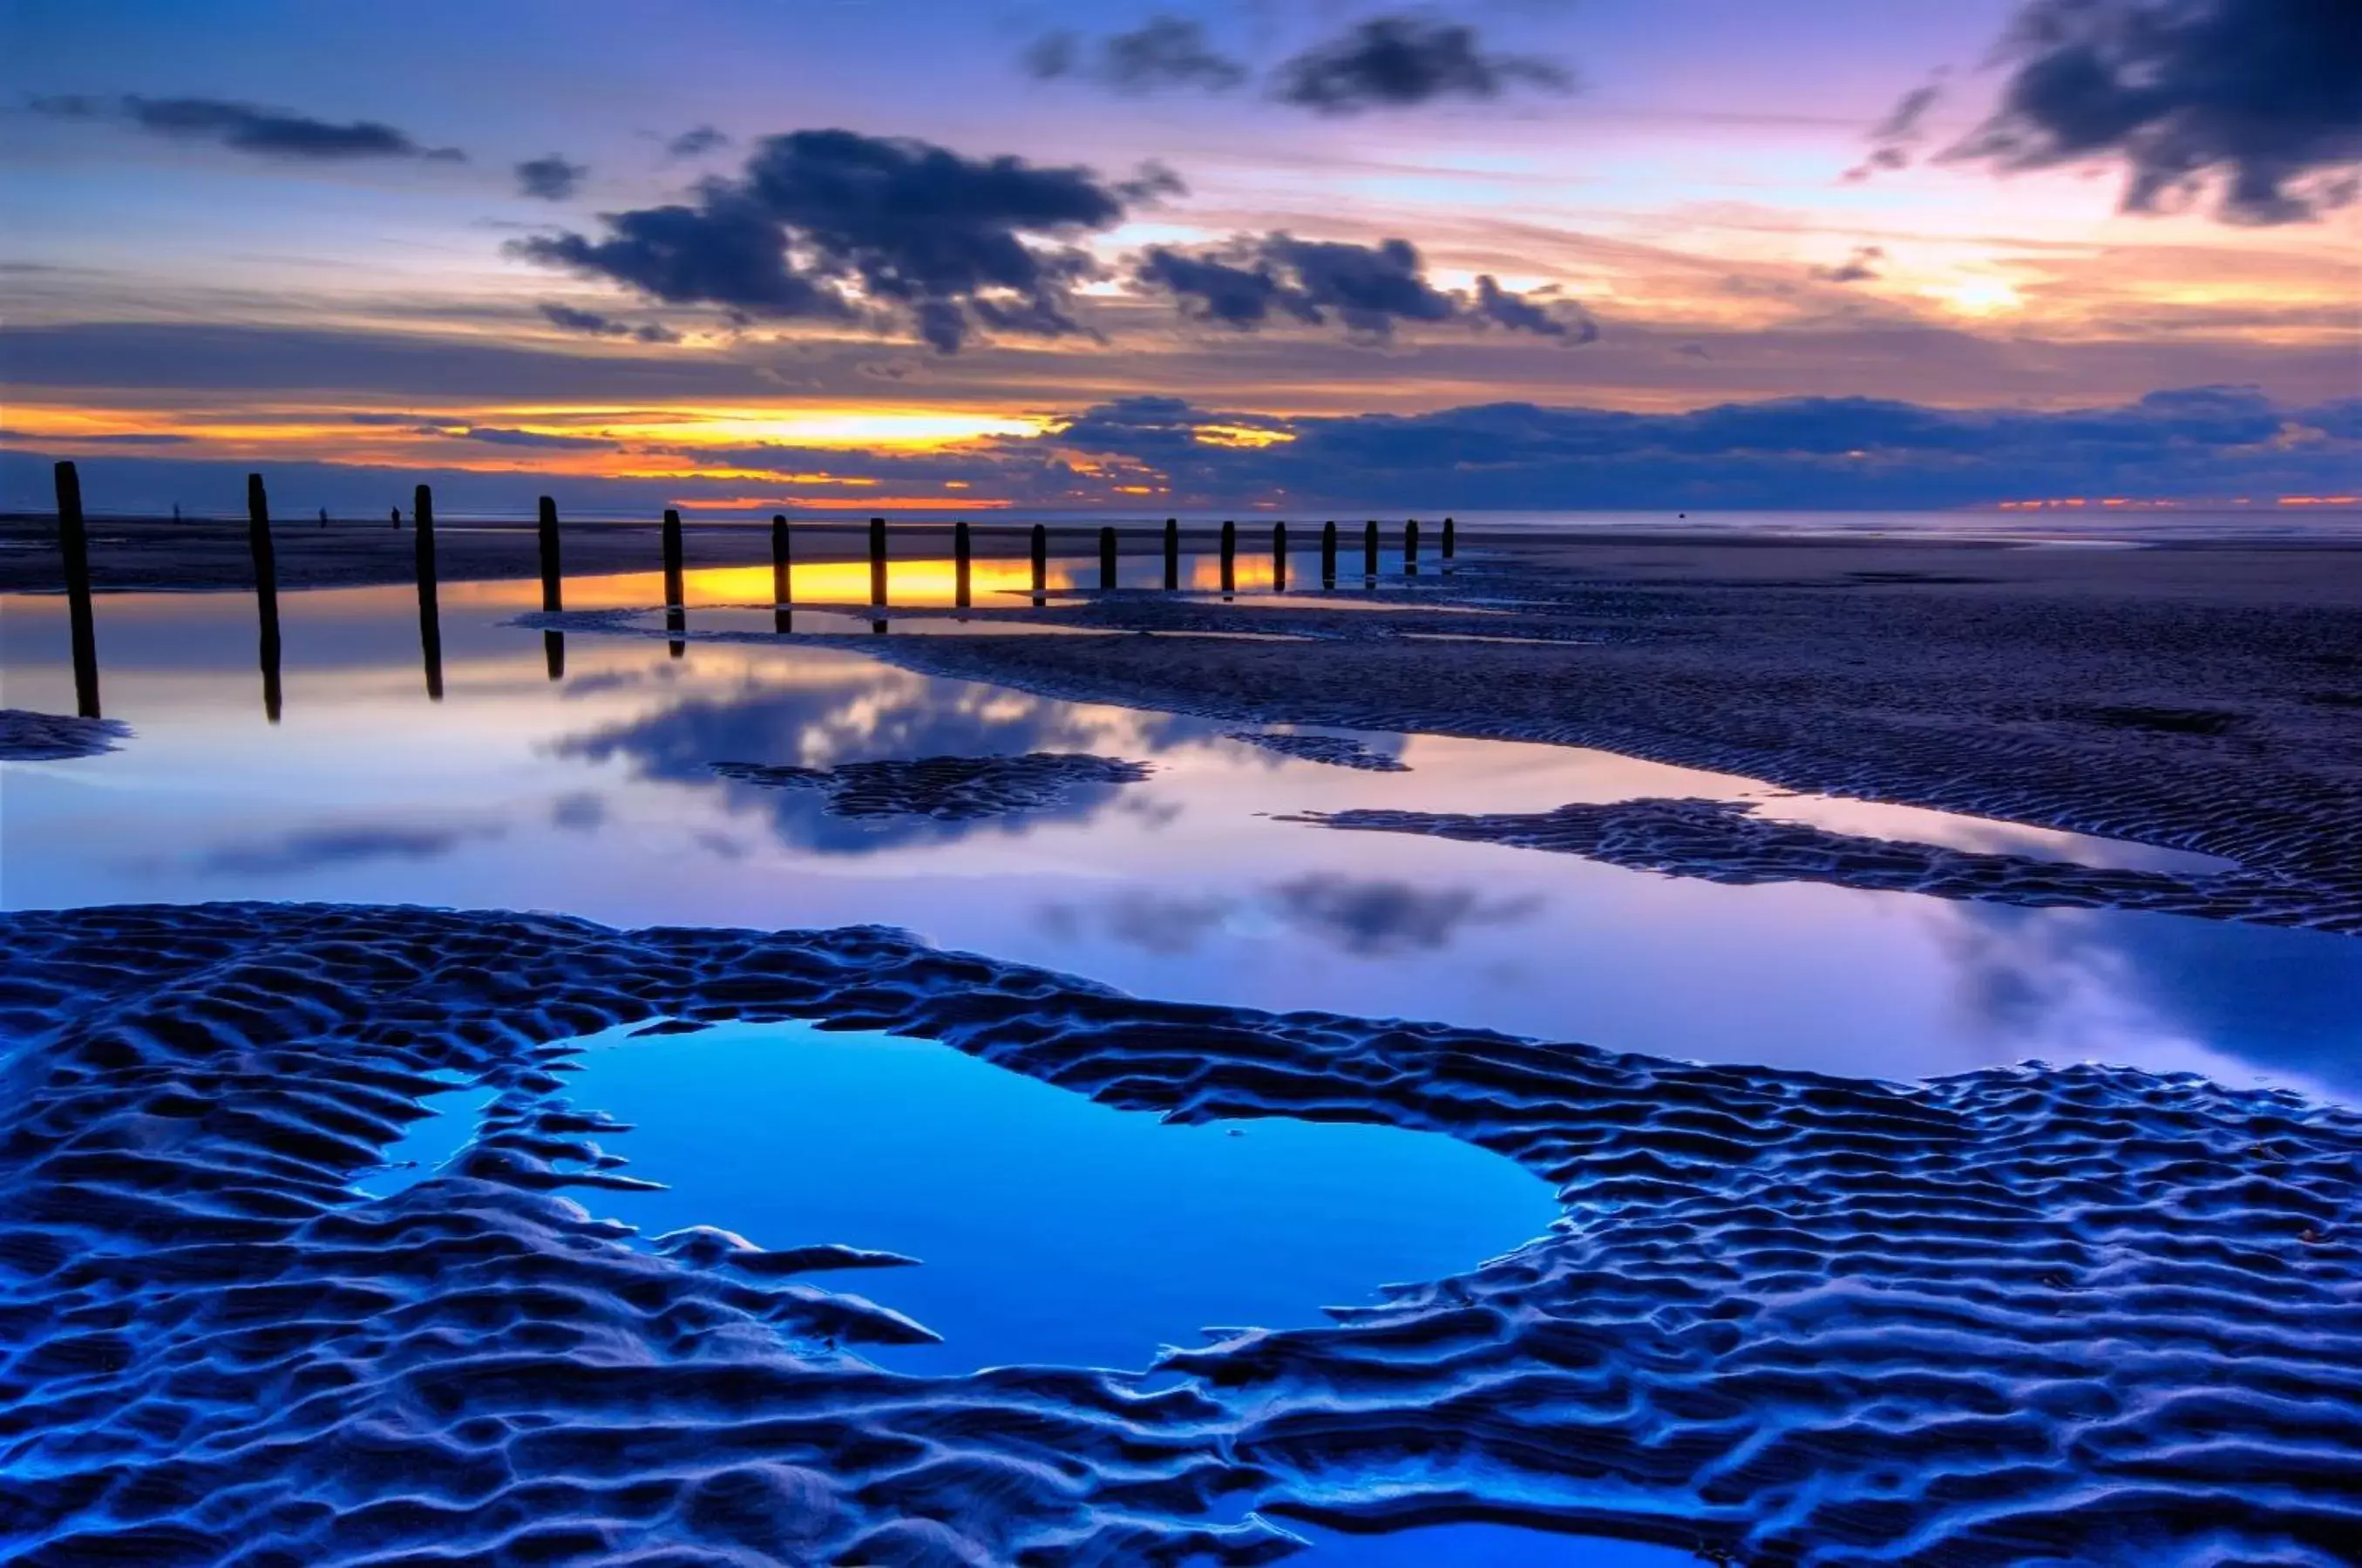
73 543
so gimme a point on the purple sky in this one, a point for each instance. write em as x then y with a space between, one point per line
1060 255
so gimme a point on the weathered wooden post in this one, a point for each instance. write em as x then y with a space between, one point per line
73 543
1172 554
1041 562
430 619
1447 541
782 587
1370 554
1410 547
1329 555
676 599
1230 557
962 564
266 590
878 561
673 597
552 593
553 653
1107 557
1279 558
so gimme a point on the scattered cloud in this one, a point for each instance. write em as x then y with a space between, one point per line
2259 100
1395 62
1895 139
1163 52
695 142
248 129
1370 919
550 179
591 323
829 225
1370 289
1859 267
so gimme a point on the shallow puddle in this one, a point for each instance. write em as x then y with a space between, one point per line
1049 1229
594 793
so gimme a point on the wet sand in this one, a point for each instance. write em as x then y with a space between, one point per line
2004 1317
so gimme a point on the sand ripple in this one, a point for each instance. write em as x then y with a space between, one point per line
1724 840
2016 1316
28 736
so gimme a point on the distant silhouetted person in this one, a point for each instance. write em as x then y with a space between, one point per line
397 518
324 517
176 511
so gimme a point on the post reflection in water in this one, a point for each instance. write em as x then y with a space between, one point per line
782 586
430 619
73 543
266 590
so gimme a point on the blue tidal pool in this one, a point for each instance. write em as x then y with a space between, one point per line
1051 1228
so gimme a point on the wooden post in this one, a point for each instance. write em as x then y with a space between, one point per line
1370 554
1447 538
1329 555
430 620
878 561
782 586
553 592
1041 562
266 590
676 597
1279 558
1172 554
1410 547
963 563
1107 557
73 543
1230 557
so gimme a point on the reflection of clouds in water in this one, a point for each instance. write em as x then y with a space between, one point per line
1369 919
584 810
874 713
1365 919
315 849
2280 1000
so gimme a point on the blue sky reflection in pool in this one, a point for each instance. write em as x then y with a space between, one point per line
1051 1228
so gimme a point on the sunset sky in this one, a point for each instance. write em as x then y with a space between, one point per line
882 255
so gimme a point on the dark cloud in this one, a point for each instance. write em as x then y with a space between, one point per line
827 224
596 325
695 142
1369 288
1519 314
246 128
1390 62
1859 267
2260 99
581 810
550 179
1165 51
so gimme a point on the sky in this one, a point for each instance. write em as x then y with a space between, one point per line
889 256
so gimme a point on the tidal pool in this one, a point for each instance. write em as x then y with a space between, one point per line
1050 1229
593 793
